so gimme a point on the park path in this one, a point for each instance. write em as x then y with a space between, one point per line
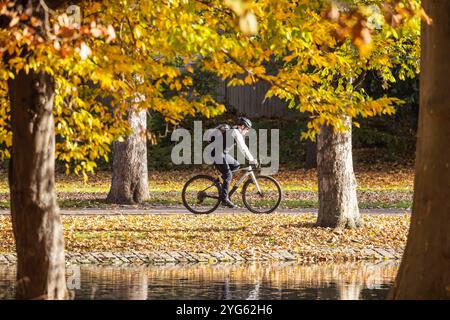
180 210
159 258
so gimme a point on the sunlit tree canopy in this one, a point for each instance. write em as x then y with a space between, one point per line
128 55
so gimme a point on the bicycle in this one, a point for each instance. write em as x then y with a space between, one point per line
260 193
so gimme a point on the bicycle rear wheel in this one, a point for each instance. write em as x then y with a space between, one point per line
200 194
265 201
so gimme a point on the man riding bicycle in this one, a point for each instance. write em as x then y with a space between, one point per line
226 164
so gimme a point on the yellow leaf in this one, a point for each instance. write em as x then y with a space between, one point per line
249 79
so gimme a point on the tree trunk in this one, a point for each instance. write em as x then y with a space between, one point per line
425 268
311 154
338 205
35 215
130 177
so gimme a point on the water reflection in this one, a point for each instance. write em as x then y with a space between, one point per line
229 281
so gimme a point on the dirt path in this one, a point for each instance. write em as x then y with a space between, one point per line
181 210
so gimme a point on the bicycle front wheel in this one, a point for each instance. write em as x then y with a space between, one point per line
200 194
267 199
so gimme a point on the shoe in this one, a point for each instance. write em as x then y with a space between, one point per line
228 203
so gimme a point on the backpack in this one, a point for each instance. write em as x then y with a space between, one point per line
223 128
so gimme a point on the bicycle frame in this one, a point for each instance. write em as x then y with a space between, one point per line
249 172
243 178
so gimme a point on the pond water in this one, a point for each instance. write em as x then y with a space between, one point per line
224 281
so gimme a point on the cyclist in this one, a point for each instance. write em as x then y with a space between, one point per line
228 164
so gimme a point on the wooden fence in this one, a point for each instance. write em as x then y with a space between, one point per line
248 100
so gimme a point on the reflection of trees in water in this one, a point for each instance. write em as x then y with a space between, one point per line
284 274
227 281
349 291
221 281
254 293
127 283
7 282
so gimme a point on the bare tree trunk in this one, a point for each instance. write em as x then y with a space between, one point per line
35 214
130 174
425 268
338 205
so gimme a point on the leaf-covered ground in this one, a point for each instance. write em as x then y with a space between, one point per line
379 186
241 233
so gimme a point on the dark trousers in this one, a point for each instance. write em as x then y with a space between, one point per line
226 168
